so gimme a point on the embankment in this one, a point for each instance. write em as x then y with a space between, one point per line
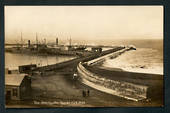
115 87
104 57
74 62
129 85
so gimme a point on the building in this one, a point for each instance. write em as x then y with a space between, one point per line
13 70
27 68
17 87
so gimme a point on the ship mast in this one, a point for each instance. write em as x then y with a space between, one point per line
36 40
57 41
21 40
70 42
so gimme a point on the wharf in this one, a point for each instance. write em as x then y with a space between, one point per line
153 82
56 84
74 62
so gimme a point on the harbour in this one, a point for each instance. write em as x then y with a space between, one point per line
83 56
45 76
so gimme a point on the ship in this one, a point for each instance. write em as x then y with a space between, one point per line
44 49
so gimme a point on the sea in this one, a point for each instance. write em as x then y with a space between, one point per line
147 58
13 60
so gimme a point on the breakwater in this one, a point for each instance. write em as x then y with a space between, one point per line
74 62
129 85
120 88
104 57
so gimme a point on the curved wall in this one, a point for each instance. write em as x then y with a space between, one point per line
120 88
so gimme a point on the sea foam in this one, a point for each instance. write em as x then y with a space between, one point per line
143 60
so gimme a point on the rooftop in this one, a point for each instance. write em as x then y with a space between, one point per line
11 68
14 79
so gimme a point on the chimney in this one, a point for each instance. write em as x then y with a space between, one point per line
57 41
29 43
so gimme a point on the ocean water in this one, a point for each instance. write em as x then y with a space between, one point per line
146 59
12 60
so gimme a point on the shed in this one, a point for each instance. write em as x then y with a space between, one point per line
12 70
27 68
17 87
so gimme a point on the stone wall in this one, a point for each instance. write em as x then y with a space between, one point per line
120 88
103 58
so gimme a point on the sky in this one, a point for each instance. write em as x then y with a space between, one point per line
83 22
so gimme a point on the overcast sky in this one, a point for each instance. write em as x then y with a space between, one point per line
84 22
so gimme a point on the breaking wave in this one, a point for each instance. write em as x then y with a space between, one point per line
143 60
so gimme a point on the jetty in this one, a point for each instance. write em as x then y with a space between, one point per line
115 86
129 85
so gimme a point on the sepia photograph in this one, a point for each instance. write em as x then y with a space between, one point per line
83 56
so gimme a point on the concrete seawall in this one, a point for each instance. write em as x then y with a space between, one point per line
129 85
75 61
120 88
103 58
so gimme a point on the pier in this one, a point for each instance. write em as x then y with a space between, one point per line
128 85
57 84
75 62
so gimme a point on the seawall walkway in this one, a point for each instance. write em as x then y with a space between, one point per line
132 86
